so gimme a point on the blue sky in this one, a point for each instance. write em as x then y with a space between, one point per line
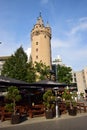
68 21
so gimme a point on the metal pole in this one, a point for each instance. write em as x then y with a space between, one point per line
57 114
56 71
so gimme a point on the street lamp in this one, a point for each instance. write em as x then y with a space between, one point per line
57 109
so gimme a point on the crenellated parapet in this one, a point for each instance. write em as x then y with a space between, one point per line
39 28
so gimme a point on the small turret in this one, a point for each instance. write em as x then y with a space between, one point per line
40 20
47 25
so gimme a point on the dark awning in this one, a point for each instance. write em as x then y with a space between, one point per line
5 81
10 81
49 83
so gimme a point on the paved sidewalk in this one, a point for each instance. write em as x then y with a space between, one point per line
7 123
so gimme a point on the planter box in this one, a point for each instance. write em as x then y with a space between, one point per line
49 114
15 119
73 111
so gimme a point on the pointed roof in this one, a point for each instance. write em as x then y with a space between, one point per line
47 25
40 20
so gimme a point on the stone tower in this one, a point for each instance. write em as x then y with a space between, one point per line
41 42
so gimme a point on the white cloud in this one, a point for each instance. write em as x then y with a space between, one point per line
28 52
71 55
9 45
59 43
44 1
68 42
83 19
73 48
69 20
80 26
71 36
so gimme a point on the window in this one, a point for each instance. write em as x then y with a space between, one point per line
36 43
36 49
36 26
74 79
45 36
36 57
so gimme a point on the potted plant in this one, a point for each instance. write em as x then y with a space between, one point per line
69 98
13 95
48 101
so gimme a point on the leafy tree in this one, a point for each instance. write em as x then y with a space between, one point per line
16 65
48 99
42 70
13 95
31 72
64 74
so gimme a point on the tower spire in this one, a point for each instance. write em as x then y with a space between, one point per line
40 14
47 24
40 20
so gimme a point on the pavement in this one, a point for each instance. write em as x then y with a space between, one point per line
7 123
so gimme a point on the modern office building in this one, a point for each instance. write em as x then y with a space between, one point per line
81 80
79 77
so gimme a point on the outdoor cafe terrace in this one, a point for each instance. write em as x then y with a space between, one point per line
31 103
